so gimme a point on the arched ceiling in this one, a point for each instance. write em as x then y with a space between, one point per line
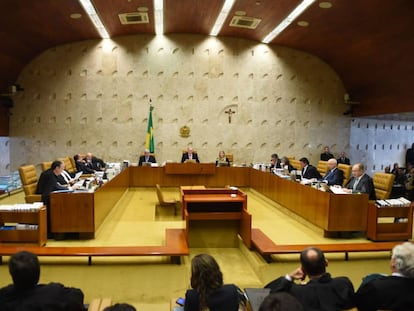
369 43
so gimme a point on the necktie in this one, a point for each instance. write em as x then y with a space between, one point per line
355 184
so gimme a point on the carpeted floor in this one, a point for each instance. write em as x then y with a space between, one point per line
149 283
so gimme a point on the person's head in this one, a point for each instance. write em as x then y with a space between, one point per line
57 167
326 149
146 152
395 166
358 170
189 150
222 155
284 161
24 269
303 162
342 154
206 276
273 158
88 156
280 301
332 163
402 259
313 261
387 169
120 307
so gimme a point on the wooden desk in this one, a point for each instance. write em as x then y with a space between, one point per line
330 212
220 204
190 168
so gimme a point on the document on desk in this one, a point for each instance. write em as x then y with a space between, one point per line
338 190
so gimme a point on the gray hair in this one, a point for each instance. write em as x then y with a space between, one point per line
403 255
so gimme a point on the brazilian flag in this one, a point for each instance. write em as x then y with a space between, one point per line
149 141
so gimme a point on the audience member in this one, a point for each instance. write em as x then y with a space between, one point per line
334 176
49 182
343 159
322 292
208 290
120 307
387 169
390 292
409 156
146 158
395 169
190 155
94 163
280 302
360 182
285 164
274 161
25 294
409 184
81 165
308 171
326 155
222 160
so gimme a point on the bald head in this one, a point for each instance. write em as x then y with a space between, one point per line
332 163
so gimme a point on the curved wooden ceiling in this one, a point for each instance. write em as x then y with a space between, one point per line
368 42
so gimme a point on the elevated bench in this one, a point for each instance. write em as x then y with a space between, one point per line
266 247
175 246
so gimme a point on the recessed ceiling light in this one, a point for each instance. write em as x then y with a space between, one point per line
303 23
142 9
75 15
325 5
240 13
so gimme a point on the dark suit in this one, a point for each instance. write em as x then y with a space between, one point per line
226 298
272 166
81 166
344 161
320 294
185 157
386 292
47 297
95 164
334 177
151 159
326 156
365 185
310 172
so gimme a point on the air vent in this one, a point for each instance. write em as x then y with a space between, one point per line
133 18
245 22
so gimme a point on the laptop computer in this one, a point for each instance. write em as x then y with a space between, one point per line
256 296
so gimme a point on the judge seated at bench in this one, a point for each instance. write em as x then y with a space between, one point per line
190 156
222 160
146 158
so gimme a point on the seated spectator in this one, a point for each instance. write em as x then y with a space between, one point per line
334 176
274 161
25 294
321 292
120 307
222 160
395 168
308 171
94 163
208 290
387 169
285 164
343 159
81 165
326 154
390 292
190 155
409 185
280 302
360 182
400 177
146 158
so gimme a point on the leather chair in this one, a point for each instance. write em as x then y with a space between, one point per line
322 167
383 183
295 163
230 157
347 170
46 165
68 165
28 175
165 202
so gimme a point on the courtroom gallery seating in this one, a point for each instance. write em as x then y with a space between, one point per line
28 175
165 202
383 183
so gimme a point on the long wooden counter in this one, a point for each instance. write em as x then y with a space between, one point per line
85 212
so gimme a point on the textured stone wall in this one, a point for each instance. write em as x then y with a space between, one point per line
95 95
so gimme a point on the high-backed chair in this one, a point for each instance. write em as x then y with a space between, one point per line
165 202
68 164
383 185
230 157
46 165
347 169
322 167
28 175
295 163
